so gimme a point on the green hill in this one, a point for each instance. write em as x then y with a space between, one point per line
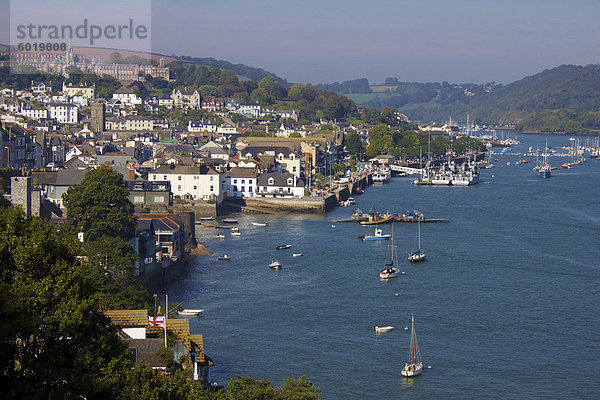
561 99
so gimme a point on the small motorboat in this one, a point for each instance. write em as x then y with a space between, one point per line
189 312
230 221
236 233
297 254
259 223
275 265
224 257
383 329
206 218
283 247
235 229
220 236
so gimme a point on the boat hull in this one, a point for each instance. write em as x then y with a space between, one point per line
409 373
371 238
389 273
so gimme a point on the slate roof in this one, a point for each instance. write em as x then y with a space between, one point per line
280 180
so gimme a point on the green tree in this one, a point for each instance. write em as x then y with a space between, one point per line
117 286
299 389
245 388
53 341
354 144
100 206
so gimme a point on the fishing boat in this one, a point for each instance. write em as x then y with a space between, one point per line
417 256
375 219
383 329
189 312
275 265
259 223
224 257
414 365
283 247
297 254
390 270
544 169
378 235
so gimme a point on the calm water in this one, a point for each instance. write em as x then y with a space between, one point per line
506 306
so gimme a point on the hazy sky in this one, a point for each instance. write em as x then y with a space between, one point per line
414 40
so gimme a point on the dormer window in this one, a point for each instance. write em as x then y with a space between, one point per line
292 157
290 181
271 181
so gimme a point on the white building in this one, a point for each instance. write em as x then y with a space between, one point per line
202 126
227 129
191 182
127 97
72 90
241 182
34 112
132 123
64 113
280 185
250 110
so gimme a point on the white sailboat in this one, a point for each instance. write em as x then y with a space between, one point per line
414 365
417 256
390 270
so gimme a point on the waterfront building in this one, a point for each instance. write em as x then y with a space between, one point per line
192 182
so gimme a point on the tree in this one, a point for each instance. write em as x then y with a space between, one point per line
354 144
53 341
100 206
117 286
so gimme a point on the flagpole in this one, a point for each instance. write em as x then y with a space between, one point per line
166 313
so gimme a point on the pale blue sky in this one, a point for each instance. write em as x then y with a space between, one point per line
413 40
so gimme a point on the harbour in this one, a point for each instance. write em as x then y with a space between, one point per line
510 280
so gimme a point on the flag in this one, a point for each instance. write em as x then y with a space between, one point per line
157 321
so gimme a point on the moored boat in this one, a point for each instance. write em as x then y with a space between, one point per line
283 247
378 235
224 257
383 329
414 365
275 265
417 256
259 223
297 254
190 312
230 221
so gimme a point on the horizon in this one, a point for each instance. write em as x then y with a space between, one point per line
458 41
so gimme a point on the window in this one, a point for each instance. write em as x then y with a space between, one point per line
289 190
235 181
138 199
212 188
179 178
164 177
154 177
243 190
211 178
294 169
250 189
271 181
179 188
159 199
195 187
290 181
243 181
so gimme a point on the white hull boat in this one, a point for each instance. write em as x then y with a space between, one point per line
189 312
383 329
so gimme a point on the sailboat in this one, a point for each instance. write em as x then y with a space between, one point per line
417 256
414 365
390 270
